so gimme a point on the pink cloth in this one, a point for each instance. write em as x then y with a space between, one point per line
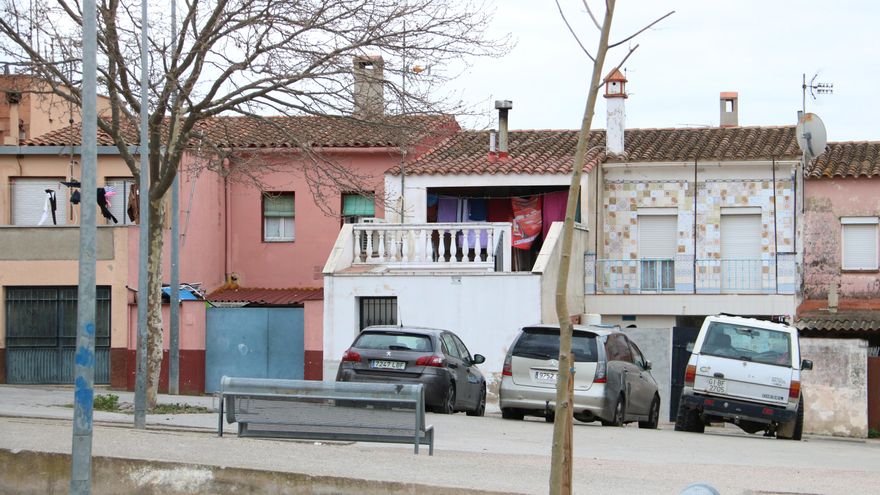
554 209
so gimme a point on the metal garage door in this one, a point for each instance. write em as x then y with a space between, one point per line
41 334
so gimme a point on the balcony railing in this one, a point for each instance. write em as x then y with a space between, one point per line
475 245
683 275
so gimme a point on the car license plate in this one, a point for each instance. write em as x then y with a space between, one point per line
545 376
716 386
388 365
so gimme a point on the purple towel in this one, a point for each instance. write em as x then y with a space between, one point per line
554 209
447 209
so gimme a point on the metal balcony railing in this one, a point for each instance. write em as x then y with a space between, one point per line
684 275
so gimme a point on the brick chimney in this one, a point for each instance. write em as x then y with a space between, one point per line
729 109
369 86
615 94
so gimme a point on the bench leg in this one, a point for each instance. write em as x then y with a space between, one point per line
220 420
431 442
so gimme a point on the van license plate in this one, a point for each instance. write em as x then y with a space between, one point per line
545 376
388 365
716 386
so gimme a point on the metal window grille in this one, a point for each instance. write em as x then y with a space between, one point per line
46 317
378 311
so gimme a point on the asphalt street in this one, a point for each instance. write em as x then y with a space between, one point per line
486 453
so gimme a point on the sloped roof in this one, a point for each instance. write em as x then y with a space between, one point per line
552 151
287 132
847 159
266 297
842 321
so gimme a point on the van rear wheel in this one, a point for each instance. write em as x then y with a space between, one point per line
689 420
795 431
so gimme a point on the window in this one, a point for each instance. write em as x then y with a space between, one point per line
118 201
30 201
377 311
543 343
859 243
450 346
357 206
741 248
278 215
657 247
617 349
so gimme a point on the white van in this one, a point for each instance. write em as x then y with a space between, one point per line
747 372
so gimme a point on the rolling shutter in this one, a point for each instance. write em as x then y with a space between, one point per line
657 236
119 201
741 237
859 247
29 199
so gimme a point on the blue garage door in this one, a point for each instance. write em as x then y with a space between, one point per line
41 334
253 343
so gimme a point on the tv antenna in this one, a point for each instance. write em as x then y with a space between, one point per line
816 88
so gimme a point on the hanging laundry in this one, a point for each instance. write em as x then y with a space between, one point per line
133 203
49 205
447 209
102 203
499 210
74 197
477 210
554 209
526 221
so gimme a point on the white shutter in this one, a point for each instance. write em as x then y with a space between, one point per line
29 199
859 247
657 236
741 237
119 201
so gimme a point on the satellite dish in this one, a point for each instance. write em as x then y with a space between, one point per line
811 137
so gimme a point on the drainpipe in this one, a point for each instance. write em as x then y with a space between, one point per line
695 226
775 234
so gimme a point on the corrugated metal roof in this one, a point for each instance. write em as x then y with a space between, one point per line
267 297
841 321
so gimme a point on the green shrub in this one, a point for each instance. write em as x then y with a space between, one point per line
108 402
872 433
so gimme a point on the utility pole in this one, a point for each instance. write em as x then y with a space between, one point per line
84 362
140 389
174 344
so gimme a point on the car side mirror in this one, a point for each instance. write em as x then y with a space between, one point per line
806 364
478 359
647 364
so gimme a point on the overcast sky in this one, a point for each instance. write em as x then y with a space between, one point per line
759 49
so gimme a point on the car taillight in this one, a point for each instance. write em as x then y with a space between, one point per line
507 370
794 391
690 375
431 360
600 376
351 356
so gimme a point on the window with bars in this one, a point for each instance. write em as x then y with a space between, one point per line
46 316
278 217
377 311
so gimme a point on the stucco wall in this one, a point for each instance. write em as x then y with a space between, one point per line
827 201
836 389
547 265
486 310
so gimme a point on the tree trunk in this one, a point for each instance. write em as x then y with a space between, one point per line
154 300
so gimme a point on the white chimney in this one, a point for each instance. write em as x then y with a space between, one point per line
615 94
729 109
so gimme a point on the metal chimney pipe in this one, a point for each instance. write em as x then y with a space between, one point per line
491 141
503 107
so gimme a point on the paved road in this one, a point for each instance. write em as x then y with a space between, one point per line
486 453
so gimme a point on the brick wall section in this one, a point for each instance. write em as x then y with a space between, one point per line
836 389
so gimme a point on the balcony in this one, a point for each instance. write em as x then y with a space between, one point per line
684 275
477 246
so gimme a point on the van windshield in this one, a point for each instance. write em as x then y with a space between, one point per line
543 343
759 345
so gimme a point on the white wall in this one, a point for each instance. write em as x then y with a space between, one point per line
836 389
484 309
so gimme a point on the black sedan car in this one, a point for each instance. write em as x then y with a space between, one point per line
437 359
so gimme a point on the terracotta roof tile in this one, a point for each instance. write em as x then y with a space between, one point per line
267 297
847 159
288 132
549 152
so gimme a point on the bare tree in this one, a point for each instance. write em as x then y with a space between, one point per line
561 461
240 57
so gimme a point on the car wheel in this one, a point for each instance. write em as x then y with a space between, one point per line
653 415
619 413
448 406
509 413
798 431
480 408
584 418
689 420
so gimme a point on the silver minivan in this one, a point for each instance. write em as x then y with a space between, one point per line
612 382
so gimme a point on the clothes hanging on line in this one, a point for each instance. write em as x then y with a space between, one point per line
134 203
102 203
50 204
553 209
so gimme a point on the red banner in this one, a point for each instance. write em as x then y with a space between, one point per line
526 221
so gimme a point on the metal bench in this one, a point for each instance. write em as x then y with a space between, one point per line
314 410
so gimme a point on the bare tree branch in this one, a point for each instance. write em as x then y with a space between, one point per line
640 31
590 12
564 19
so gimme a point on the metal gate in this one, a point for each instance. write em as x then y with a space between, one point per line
41 334
253 343
683 339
